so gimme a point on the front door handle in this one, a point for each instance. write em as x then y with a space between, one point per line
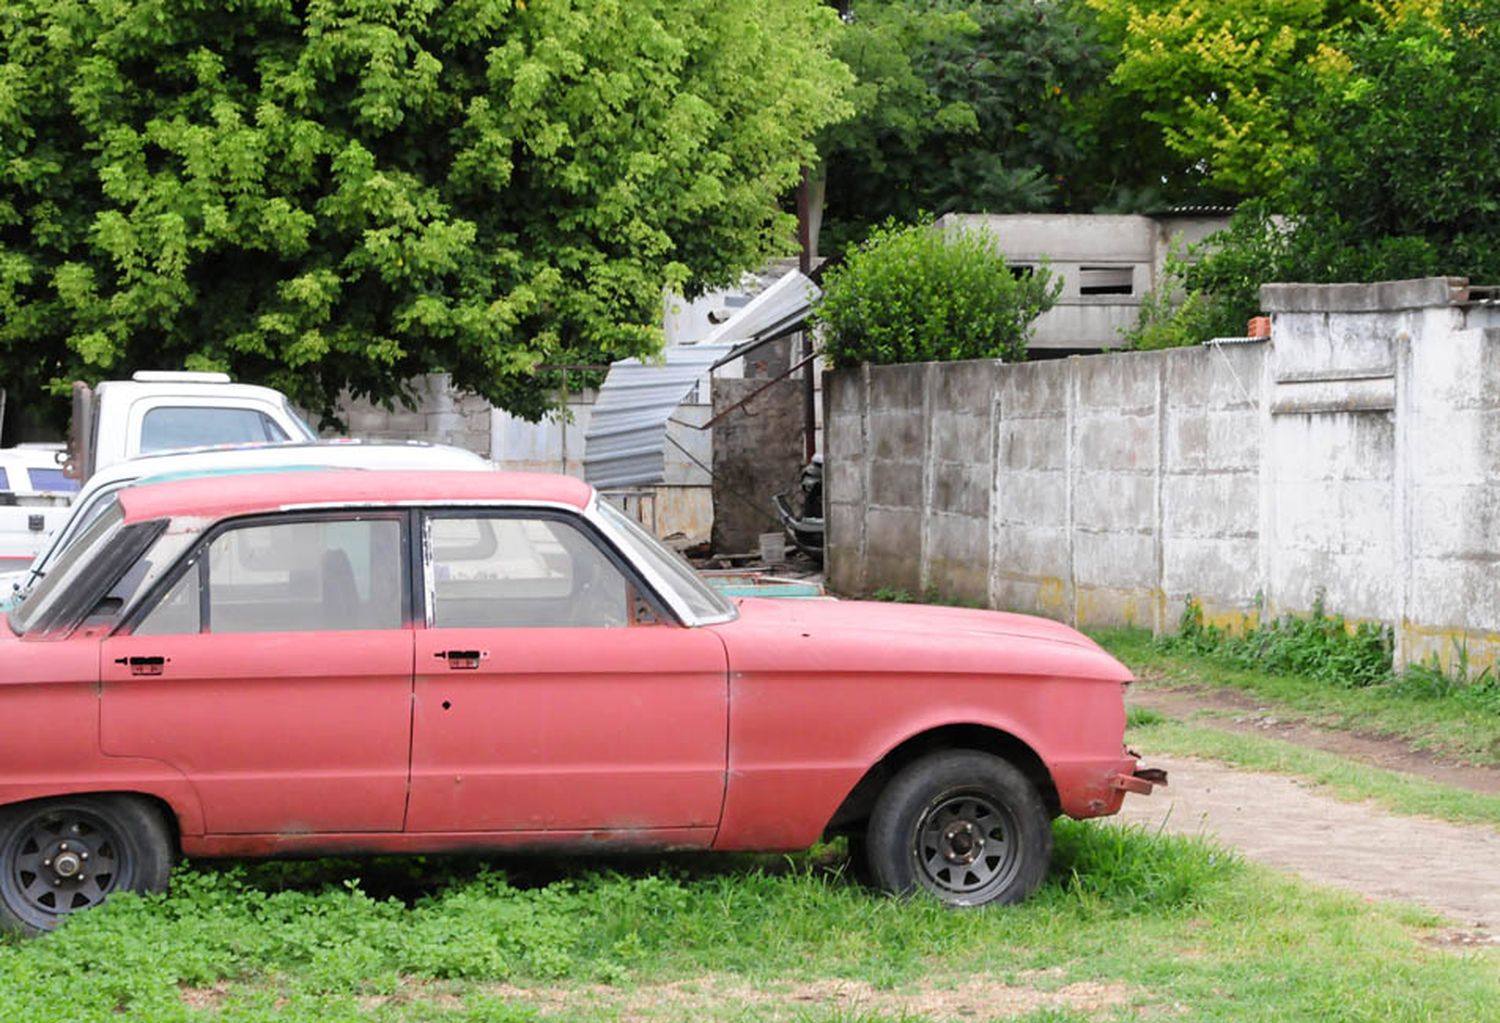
143 665
462 660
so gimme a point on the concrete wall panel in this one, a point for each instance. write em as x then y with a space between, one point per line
1357 456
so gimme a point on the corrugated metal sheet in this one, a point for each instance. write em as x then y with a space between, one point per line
627 429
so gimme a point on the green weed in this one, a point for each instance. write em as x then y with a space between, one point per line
1174 922
1318 645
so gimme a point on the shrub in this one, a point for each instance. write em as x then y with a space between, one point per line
1318 645
913 293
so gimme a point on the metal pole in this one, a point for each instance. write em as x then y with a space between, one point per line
804 263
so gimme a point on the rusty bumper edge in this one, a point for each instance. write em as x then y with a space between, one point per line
1141 782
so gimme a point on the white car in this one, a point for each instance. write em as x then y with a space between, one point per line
228 461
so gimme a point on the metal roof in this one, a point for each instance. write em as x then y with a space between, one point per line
624 443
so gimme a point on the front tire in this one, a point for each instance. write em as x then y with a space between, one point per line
60 856
964 826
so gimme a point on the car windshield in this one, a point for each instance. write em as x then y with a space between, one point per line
670 568
70 566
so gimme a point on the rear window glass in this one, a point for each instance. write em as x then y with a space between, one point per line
300 576
166 429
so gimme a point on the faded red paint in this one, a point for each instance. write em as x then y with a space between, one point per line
215 497
569 729
744 735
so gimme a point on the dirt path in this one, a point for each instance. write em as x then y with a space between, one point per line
1234 711
1451 869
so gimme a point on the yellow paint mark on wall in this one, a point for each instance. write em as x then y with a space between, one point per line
1450 644
1051 594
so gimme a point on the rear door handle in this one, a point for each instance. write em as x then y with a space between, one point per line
143 665
462 660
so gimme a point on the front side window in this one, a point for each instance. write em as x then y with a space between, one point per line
501 572
671 569
311 575
170 427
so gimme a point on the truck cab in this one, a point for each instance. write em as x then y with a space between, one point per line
164 411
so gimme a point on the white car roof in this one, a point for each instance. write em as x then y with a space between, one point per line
338 454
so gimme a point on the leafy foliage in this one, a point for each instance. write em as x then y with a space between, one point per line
1218 80
1320 646
347 193
1396 187
1213 288
326 939
979 107
914 293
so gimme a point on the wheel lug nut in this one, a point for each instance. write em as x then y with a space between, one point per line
83 856
46 863
64 847
56 882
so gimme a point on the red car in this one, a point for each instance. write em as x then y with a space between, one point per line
361 662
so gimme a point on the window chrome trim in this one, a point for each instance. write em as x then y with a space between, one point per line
668 593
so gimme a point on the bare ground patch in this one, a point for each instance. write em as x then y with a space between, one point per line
967 998
1450 869
1235 711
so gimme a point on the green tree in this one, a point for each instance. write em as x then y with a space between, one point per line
1396 186
913 293
1218 79
343 194
1400 183
978 107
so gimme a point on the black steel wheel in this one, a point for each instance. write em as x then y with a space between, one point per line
59 856
964 826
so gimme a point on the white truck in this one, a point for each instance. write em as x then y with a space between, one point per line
120 419
34 498
154 411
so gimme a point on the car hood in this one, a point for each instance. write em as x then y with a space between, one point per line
901 637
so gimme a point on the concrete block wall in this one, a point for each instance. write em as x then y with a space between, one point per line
1356 455
442 416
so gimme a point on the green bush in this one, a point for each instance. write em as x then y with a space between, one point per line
912 293
1319 645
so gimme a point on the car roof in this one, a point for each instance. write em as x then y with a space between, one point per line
216 497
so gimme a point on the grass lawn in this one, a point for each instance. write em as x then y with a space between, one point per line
1130 926
1444 725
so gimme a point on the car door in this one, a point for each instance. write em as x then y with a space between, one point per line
275 673
552 695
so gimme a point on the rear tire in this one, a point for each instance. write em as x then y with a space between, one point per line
59 856
964 826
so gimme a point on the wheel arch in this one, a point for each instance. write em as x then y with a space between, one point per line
164 809
856 807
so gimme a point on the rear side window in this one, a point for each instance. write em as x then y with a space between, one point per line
316 575
4 480
168 428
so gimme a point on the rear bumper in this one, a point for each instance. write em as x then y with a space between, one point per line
1140 781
